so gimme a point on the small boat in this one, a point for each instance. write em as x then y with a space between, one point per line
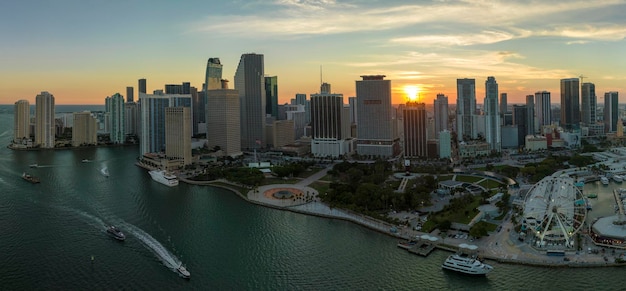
618 178
85 161
604 180
592 195
33 165
116 233
30 178
407 244
183 271
104 171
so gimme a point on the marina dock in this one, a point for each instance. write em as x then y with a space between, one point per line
422 249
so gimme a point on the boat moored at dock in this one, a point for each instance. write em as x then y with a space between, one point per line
466 264
604 180
164 177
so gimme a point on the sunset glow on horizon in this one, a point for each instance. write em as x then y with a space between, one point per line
80 54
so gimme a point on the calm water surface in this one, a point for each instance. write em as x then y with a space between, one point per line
51 230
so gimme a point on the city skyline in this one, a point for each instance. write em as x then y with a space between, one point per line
74 51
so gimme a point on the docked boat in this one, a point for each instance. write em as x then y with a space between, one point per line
618 178
604 180
33 165
164 177
592 195
30 178
85 161
466 264
407 244
116 233
183 271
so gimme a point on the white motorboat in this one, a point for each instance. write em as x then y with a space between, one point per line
105 171
618 178
466 264
604 180
164 177
183 271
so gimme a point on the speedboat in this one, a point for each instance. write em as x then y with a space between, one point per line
116 233
85 161
30 178
33 165
183 271
164 177
104 171
466 264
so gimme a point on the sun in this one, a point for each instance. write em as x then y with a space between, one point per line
412 92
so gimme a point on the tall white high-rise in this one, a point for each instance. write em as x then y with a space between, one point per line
492 115
465 109
441 113
21 122
250 82
375 130
543 109
223 121
115 108
44 120
611 111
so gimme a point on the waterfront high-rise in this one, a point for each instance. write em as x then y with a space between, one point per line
115 109
130 94
131 118
589 104
152 108
570 104
465 109
271 95
178 134
21 122
223 121
44 120
330 125
414 126
530 114
492 116
250 82
611 111
141 88
441 114
375 130
543 109
85 129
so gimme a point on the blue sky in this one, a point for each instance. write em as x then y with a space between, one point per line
83 51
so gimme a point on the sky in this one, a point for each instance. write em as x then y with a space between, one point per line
82 51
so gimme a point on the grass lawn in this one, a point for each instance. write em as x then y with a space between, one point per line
270 181
320 187
490 184
460 216
489 226
306 174
444 177
468 179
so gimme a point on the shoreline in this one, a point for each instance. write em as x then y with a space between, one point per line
70 148
313 209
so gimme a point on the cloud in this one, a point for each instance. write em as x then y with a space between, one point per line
485 37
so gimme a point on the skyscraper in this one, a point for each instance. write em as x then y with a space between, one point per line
223 121
570 104
213 76
141 88
375 132
301 99
492 116
466 109
116 118
520 118
131 118
250 82
44 120
130 95
441 114
611 111
530 114
153 119
503 103
543 109
414 125
589 104
352 104
271 95
325 88
21 122
178 134
330 125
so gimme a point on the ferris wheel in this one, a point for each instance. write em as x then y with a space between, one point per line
554 211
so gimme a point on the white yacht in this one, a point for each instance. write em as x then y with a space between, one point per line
618 178
183 271
164 177
466 264
604 180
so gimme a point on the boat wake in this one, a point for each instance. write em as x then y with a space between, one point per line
168 259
